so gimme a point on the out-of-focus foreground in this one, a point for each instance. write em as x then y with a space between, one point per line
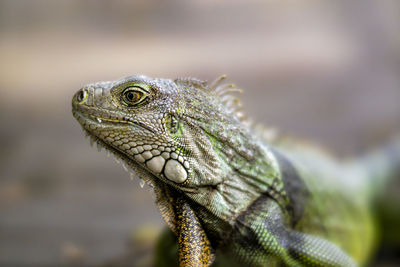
324 70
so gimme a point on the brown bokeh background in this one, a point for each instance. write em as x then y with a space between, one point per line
327 71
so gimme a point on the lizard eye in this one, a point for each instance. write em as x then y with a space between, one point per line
133 96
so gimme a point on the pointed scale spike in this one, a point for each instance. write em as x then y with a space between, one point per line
218 80
125 168
141 183
98 147
224 87
92 140
229 90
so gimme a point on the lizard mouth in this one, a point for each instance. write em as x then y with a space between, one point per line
100 117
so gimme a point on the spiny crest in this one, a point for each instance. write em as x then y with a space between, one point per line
226 94
192 82
225 91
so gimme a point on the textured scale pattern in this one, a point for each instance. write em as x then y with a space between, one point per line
227 189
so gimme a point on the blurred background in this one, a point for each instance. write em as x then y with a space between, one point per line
328 71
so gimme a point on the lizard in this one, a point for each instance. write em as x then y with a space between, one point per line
223 188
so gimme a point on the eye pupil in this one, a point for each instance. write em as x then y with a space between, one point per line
130 96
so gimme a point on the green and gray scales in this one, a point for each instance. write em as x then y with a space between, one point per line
226 188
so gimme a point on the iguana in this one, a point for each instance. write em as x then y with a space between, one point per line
225 189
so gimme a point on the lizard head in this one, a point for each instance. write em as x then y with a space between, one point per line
182 132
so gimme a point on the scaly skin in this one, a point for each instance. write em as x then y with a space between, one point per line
223 189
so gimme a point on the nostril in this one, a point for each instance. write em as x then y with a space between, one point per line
81 95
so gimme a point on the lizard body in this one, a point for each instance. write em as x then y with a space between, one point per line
222 188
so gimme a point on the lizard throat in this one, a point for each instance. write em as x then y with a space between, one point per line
172 168
128 164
